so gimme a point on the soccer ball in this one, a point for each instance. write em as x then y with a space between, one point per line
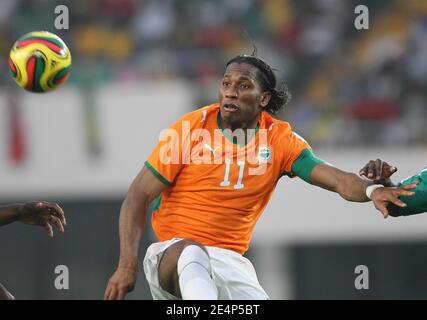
39 61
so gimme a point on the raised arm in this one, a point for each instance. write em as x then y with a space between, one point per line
143 190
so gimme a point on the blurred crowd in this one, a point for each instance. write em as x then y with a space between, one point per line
349 86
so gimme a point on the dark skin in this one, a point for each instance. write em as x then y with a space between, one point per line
241 101
37 213
4 294
380 172
240 87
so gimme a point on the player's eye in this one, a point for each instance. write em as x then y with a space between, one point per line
245 86
225 84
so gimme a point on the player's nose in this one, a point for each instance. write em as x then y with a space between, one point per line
231 92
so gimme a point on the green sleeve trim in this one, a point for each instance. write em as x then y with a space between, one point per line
157 203
417 203
157 174
304 165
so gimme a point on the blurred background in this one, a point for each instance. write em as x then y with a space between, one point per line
139 65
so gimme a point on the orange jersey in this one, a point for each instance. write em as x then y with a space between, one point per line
217 187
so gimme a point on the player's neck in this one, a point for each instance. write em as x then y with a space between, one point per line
243 126
241 132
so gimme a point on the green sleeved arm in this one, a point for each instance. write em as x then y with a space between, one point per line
304 165
418 202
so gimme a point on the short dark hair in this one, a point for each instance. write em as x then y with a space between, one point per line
279 98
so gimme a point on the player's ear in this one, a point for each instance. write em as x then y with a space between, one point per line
265 98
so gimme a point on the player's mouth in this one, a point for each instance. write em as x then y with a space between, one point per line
230 107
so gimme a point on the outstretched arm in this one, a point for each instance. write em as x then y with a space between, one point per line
144 189
380 171
352 188
346 184
9 213
38 213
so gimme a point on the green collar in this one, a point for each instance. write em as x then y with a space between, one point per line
229 137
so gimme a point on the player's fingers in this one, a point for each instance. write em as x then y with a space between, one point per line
121 294
383 209
397 201
405 193
409 186
49 229
57 223
371 168
60 213
364 170
378 169
112 294
385 212
107 292
388 170
55 209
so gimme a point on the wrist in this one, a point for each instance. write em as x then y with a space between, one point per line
130 264
16 211
371 188
385 182
9 214
19 210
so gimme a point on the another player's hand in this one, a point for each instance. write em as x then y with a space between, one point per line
4 294
44 214
381 197
377 170
122 282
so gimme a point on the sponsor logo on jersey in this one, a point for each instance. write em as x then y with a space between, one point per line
264 153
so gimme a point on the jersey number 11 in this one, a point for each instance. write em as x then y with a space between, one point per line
226 181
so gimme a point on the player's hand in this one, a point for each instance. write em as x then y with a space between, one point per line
381 197
377 170
44 214
122 282
4 294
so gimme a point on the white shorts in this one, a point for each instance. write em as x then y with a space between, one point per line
234 275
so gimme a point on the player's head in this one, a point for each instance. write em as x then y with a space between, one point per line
247 88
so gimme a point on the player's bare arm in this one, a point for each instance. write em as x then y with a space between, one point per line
37 213
143 190
352 188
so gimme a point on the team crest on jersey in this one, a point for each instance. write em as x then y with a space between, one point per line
264 153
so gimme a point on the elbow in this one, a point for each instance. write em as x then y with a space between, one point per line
134 209
136 197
